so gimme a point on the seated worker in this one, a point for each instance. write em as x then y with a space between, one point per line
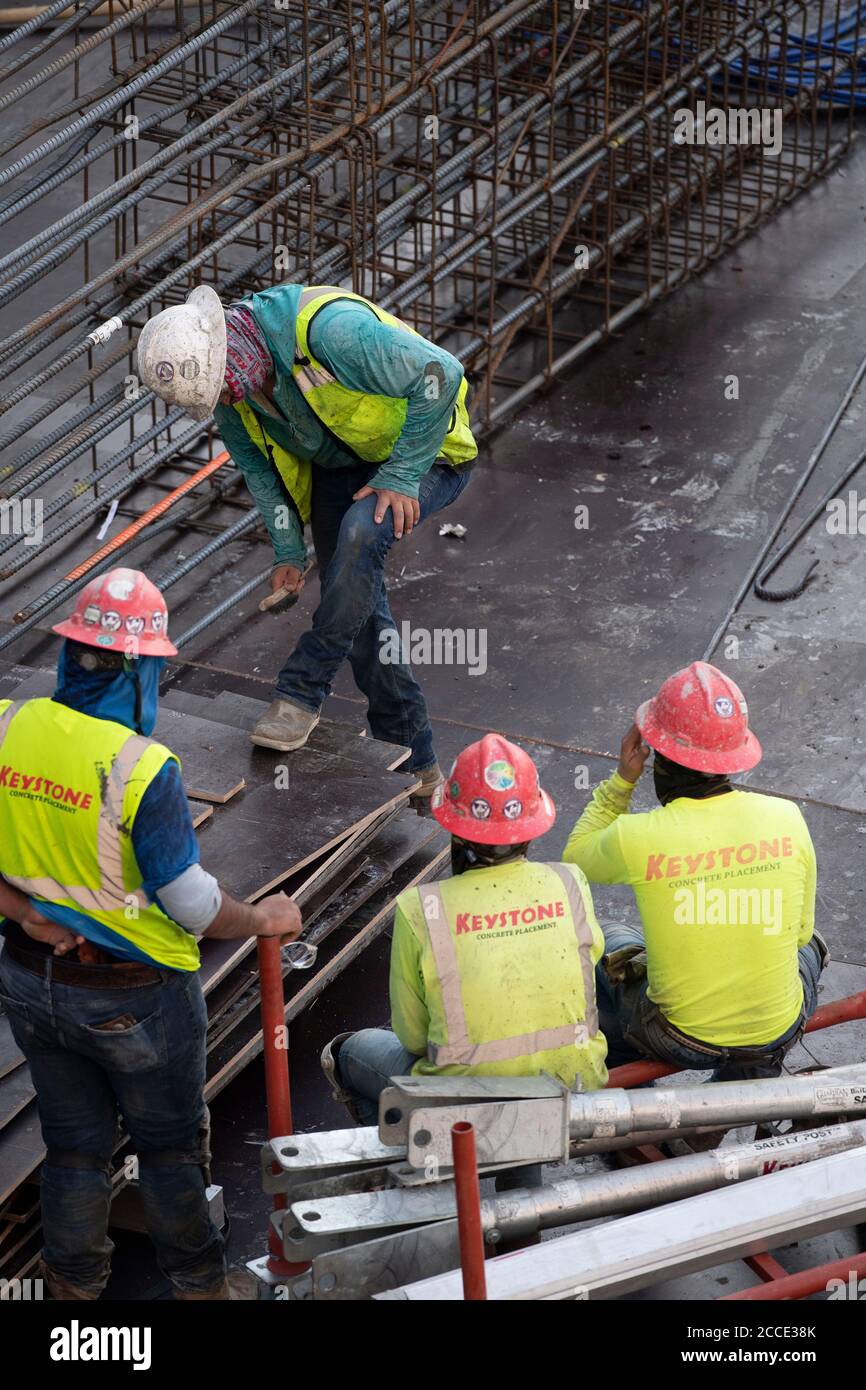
725 972
492 970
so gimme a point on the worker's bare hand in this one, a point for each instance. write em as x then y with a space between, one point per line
405 511
287 577
633 753
279 915
50 933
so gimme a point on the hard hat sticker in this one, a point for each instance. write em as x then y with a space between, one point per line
512 809
134 625
724 707
164 371
455 789
91 614
157 621
111 620
189 369
499 775
480 808
120 588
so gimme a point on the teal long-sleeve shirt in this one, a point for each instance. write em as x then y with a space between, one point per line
363 354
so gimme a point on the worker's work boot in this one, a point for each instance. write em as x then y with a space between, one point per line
328 1061
431 778
239 1286
284 725
61 1290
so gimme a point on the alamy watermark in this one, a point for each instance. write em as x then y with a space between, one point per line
437 646
736 125
22 516
701 906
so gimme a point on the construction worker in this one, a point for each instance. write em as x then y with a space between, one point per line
105 901
492 969
725 972
338 413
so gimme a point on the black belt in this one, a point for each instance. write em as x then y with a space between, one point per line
123 975
749 1056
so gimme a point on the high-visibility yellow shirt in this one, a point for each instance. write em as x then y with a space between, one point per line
492 973
726 892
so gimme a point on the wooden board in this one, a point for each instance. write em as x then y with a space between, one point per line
10 1057
244 1044
21 1150
387 854
200 812
218 958
329 736
271 832
16 1091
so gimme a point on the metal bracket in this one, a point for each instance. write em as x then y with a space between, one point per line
506 1132
301 1158
408 1093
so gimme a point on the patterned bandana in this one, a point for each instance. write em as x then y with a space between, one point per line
248 362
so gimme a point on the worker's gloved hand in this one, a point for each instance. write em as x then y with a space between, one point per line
279 915
633 753
405 511
287 577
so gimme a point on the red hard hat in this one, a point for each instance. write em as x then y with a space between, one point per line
699 719
492 795
123 612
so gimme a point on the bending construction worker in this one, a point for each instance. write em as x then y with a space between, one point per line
492 971
725 972
104 903
337 413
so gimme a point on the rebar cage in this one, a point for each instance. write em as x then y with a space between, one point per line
514 180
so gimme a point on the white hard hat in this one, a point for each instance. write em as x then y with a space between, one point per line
182 353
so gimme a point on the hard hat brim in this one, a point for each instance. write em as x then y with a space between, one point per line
740 759
486 832
209 305
148 645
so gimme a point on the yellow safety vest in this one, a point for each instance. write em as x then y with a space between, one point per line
369 425
508 961
297 474
70 787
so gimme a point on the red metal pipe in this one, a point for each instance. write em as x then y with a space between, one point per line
808 1281
469 1228
277 1091
846 1010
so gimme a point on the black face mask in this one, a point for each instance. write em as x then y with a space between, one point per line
467 854
672 780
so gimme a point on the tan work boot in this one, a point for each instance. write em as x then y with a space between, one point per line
431 778
61 1290
284 725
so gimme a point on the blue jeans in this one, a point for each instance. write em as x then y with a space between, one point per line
150 1071
632 1024
365 1064
353 608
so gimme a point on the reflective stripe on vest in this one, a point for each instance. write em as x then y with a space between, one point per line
111 896
459 1050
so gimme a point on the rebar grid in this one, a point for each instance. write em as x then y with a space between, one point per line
468 165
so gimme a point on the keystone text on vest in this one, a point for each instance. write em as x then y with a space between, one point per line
677 865
43 789
513 917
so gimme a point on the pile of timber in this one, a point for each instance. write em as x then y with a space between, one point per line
330 824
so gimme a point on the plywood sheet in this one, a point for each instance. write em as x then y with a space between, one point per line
272 832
